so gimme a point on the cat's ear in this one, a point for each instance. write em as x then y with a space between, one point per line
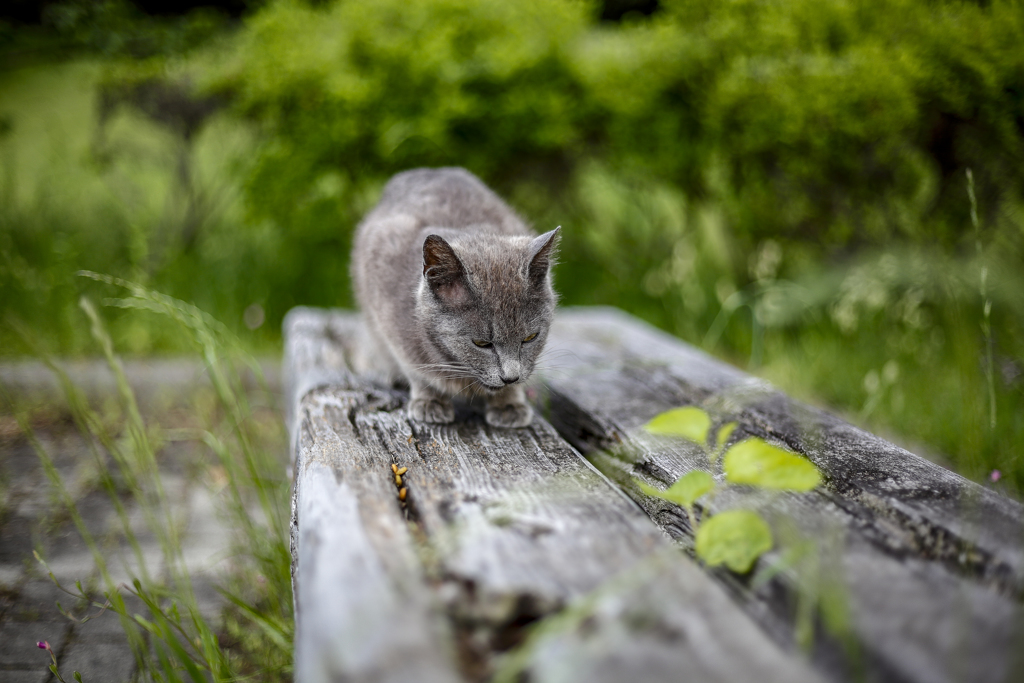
542 255
443 270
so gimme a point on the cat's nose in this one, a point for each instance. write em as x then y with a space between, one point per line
509 369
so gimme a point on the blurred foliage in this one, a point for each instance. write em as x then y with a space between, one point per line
782 182
118 27
43 30
850 121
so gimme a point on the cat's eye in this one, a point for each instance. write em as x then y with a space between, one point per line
482 344
531 337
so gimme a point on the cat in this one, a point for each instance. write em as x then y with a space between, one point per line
456 293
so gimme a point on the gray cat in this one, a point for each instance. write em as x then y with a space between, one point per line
456 293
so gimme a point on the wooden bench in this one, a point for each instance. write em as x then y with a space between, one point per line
512 557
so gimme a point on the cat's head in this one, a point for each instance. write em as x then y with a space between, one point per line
486 303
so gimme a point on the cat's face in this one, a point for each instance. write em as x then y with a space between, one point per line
486 302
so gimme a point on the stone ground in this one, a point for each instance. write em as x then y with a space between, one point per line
31 518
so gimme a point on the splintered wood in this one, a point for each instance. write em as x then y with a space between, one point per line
468 553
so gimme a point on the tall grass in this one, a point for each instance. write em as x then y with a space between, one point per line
986 322
170 638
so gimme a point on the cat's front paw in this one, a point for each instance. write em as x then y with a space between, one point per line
431 410
510 415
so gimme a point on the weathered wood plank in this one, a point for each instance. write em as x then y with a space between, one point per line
498 529
364 613
367 612
684 634
928 563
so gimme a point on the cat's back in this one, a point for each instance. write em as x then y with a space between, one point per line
450 198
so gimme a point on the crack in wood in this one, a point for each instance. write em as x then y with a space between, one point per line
879 515
887 529
903 536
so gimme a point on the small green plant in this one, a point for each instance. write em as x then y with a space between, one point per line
171 639
758 463
986 321
735 538
684 492
45 645
688 422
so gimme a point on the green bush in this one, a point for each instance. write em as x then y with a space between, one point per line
844 121
783 182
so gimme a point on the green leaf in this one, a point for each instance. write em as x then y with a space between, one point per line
724 432
147 624
735 538
686 490
274 630
690 423
758 463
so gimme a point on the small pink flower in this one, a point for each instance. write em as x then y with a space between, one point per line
43 645
996 475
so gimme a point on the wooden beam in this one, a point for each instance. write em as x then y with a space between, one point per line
928 566
499 530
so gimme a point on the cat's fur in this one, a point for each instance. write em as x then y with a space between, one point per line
440 262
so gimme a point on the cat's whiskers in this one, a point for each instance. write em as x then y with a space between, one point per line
441 366
551 354
475 385
445 370
547 364
452 374
547 372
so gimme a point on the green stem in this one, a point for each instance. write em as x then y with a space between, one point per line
986 323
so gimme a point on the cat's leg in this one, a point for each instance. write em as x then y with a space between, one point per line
427 404
508 408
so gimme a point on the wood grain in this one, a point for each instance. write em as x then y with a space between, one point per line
499 530
927 565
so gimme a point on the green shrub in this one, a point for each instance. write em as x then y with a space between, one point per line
744 174
843 121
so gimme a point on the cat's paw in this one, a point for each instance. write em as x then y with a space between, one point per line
510 415
431 410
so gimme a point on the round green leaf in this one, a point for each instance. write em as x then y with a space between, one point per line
685 491
690 423
735 538
689 488
758 463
